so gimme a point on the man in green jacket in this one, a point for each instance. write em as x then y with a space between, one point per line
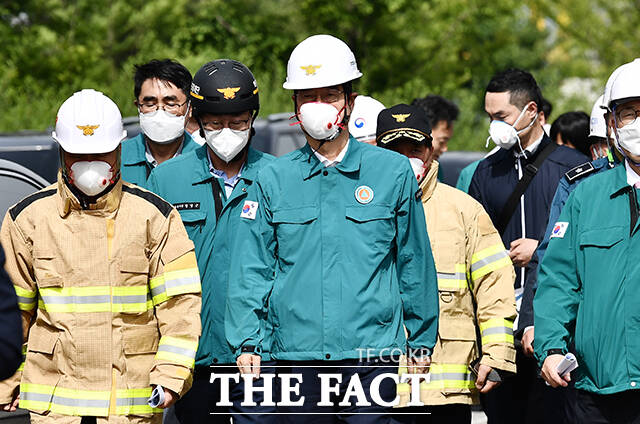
588 289
161 89
333 245
209 188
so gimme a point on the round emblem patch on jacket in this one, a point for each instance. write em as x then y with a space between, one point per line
364 194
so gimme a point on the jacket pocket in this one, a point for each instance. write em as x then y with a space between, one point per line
45 270
454 351
597 247
292 226
134 270
139 344
193 218
371 223
42 363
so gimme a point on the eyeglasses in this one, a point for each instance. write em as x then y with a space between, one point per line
234 124
332 96
627 115
170 107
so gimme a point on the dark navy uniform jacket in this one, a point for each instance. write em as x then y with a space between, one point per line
496 178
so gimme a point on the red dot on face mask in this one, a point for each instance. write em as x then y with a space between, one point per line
329 125
104 181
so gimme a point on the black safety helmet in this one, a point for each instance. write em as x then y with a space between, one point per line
403 122
224 86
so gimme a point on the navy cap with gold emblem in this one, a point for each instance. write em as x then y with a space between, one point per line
403 122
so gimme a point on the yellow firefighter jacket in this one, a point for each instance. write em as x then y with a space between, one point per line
110 300
467 251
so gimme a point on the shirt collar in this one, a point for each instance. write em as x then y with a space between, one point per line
227 180
428 184
530 150
149 157
328 162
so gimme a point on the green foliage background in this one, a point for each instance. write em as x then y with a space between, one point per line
406 49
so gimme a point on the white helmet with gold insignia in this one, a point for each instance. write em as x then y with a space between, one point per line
320 61
89 123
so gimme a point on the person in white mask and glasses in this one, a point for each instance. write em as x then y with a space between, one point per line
210 188
515 186
161 89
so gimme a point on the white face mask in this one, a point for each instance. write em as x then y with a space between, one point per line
629 137
418 168
504 135
161 126
227 143
198 138
320 120
91 178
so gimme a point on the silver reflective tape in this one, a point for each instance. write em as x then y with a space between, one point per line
486 261
457 376
139 298
452 276
497 330
158 290
58 400
178 350
184 281
132 401
27 300
65 300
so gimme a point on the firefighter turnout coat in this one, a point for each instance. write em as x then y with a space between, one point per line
468 252
110 301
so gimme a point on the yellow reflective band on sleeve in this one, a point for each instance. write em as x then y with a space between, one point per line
497 330
443 377
134 402
182 281
488 260
26 298
456 280
95 299
24 357
177 350
64 401
158 290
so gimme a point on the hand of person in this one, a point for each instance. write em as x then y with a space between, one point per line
522 251
418 364
527 341
170 397
550 374
482 383
11 406
248 363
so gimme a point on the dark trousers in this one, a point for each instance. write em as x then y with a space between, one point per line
310 388
198 405
449 414
525 398
618 408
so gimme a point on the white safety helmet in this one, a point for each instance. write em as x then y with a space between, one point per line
89 122
320 61
364 118
597 124
624 83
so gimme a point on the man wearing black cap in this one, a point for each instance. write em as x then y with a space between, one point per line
475 280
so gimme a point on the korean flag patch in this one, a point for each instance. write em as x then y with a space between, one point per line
249 209
559 229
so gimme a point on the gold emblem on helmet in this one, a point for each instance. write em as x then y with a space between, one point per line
87 129
229 92
310 69
401 117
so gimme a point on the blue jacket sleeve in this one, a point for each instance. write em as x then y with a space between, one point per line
10 325
556 301
416 269
251 276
